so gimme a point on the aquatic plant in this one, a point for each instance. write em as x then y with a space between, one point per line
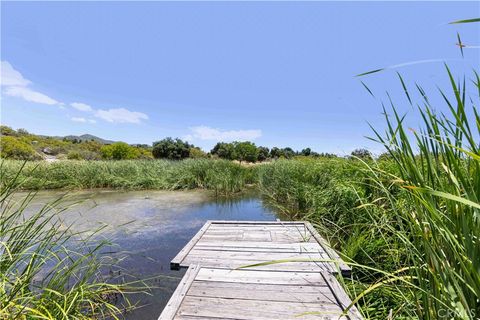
42 273
437 217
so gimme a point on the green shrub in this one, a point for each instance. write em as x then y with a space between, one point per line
13 148
119 151
224 150
173 149
263 153
74 155
7 131
246 151
197 153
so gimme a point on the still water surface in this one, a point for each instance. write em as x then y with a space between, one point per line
152 226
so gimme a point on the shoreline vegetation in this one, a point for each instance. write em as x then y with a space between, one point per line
48 271
222 176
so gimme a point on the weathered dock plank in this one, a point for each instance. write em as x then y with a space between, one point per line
213 293
229 276
233 244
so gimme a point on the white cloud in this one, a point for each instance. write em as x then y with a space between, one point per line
83 120
17 86
121 115
77 119
29 95
208 133
81 106
11 77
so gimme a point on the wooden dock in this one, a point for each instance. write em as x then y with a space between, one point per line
218 286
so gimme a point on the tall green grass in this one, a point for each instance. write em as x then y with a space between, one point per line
221 176
331 194
409 224
438 219
41 276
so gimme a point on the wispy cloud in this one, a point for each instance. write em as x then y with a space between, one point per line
78 119
83 120
121 115
30 95
11 77
214 134
81 106
115 115
15 85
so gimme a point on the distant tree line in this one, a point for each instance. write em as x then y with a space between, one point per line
245 151
20 144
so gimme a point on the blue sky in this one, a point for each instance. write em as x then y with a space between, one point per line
276 73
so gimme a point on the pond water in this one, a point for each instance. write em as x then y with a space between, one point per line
152 227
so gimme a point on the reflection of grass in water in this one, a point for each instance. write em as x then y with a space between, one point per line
42 275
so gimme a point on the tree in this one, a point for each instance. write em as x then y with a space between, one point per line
119 151
224 150
23 132
288 152
263 153
282 153
173 149
275 153
361 153
246 151
326 155
306 152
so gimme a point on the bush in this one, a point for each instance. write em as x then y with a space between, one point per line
246 151
7 131
144 153
224 150
362 154
119 151
74 155
12 148
276 153
242 151
173 149
197 153
263 153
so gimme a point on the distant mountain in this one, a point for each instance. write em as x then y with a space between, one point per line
87 137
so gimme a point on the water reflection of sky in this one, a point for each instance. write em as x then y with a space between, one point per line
150 227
